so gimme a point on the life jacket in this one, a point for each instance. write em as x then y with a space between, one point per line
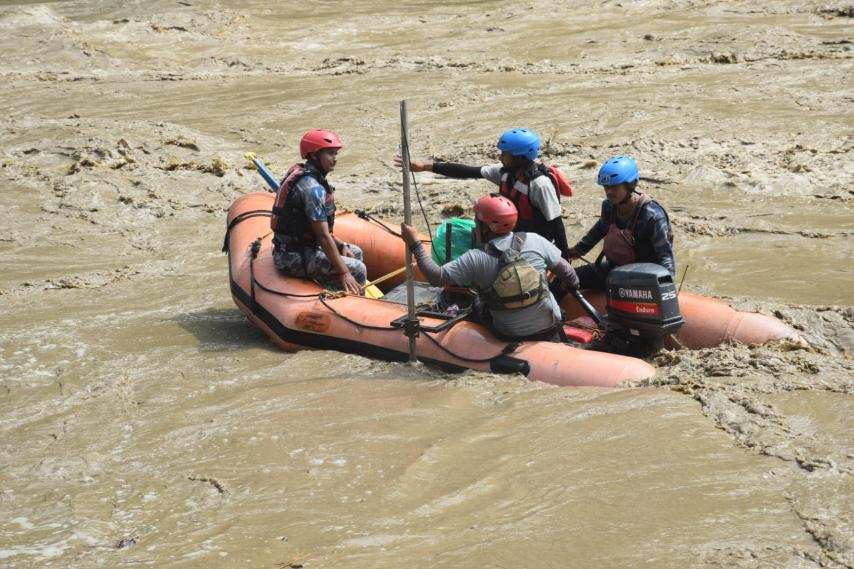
518 284
620 244
289 220
531 219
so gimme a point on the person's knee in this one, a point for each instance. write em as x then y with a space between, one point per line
358 270
358 254
591 277
287 264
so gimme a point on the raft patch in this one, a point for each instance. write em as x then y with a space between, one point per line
313 320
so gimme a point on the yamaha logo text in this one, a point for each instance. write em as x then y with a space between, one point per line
635 294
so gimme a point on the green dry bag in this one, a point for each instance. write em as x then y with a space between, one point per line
454 237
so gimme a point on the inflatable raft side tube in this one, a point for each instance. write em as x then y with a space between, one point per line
322 342
709 322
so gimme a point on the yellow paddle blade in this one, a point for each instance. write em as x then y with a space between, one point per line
372 291
251 157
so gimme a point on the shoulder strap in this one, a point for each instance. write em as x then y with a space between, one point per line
516 243
538 170
666 216
645 200
492 250
293 174
310 170
519 240
516 175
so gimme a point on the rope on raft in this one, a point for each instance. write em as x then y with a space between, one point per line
326 295
240 218
506 350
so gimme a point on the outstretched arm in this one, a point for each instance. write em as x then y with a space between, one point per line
449 169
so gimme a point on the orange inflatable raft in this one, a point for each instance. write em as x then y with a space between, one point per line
298 314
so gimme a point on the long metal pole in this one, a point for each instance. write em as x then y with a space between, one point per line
412 322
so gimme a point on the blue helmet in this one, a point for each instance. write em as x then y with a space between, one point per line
618 170
520 142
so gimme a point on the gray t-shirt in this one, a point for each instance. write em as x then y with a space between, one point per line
541 192
478 269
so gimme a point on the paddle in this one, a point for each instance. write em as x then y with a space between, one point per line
262 169
372 291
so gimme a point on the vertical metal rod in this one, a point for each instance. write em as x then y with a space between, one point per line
684 273
412 321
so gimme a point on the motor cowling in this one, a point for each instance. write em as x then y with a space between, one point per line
642 302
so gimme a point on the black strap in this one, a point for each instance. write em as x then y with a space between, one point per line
515 245
241 218
253 254
522 296
544 336
541 169
368 217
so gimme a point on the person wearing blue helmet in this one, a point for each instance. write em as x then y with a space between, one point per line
534 188
635 228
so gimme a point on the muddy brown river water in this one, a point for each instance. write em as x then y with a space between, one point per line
145 422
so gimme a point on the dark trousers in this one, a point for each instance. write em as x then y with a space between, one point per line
593 276
589 277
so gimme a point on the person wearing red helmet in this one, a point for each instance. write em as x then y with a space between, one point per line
509 272
304 217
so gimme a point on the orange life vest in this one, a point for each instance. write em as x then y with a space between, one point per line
527 212
289 218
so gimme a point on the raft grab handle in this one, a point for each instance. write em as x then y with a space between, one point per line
449 321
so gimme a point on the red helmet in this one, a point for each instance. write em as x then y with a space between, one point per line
318 139
497 213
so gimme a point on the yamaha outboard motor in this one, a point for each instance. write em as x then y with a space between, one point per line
642 307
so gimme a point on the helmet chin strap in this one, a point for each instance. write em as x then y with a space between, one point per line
311 160
632 190
484 234
478 232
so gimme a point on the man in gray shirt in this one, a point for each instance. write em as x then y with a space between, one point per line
495 217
